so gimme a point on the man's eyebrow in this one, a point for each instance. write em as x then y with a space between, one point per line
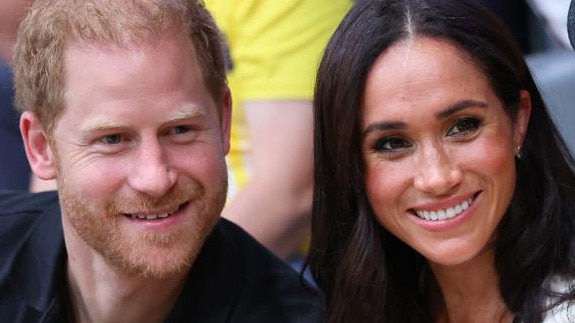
458 107
187 111
102 124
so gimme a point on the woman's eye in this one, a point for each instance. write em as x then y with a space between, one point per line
391 144
464 127
112 139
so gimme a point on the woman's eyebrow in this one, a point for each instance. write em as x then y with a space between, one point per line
383 125
458 107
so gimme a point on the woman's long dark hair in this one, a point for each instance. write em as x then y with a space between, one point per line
367 274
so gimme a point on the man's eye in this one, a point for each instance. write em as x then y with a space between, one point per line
181 129
112 139
391 144
464 127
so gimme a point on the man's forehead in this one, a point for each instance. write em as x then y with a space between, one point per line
158 55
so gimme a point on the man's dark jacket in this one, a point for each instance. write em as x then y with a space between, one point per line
234 279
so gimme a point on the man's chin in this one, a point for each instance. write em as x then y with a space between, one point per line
158 264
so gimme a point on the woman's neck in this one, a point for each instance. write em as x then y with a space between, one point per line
468 293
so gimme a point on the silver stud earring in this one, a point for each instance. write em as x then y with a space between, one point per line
518 151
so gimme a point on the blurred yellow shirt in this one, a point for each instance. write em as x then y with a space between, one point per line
275 47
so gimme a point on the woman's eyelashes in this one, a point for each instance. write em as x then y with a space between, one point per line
464 127
391 144
396 144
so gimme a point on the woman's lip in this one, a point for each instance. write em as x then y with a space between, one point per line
451 223
444 204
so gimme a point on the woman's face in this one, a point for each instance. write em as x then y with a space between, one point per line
438 149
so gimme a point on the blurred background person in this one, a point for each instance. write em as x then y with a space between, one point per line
553 17
14 169
552 63
274 49
539 27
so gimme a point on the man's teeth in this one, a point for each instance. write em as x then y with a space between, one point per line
446 213
150 216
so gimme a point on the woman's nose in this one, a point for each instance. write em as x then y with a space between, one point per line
438 173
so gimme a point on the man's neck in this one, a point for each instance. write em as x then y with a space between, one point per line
101 293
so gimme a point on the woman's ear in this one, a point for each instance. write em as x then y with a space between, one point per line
38 150
522 118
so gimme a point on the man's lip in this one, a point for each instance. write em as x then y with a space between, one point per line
159 225
154 214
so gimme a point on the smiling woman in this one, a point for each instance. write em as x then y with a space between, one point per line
451 144
443 191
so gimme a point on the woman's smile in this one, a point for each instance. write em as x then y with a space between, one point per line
439 147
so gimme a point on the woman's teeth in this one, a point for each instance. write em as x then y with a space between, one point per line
445 214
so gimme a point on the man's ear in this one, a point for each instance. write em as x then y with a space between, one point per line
522 118
226 119
38 150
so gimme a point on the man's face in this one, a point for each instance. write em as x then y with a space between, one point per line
140 153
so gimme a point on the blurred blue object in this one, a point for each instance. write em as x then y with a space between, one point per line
554 73
571 23
14 169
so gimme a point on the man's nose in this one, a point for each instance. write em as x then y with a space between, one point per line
151 170
437 172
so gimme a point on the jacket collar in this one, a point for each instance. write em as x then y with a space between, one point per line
38 269
213 287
